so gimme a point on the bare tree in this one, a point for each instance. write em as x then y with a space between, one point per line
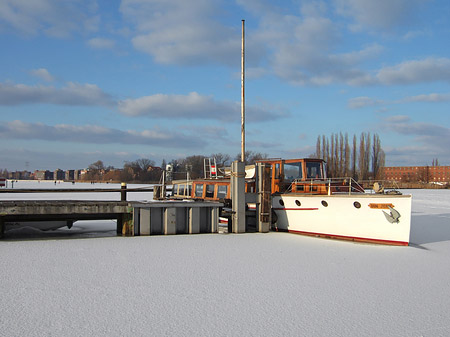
324 148
347 157
367 156
362 157
341 155
331 161
377 157
336 156
144 164
318 148
354 158
95 170
251 157
221 159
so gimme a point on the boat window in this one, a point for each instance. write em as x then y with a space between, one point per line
209 191
222 191
181 190
293 171
299 188
313 170
277 171
175 189
199 190
189 190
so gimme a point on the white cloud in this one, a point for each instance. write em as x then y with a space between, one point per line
431 98
101 43
380 14
432 139
71 94
362 102
51 17
95 134
181 32
417 71
196 106
302 45
398 119
43 74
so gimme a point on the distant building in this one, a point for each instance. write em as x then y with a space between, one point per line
70 175
426 174
77 174
58 175
19 175
43 175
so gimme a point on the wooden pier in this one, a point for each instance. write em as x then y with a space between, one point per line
18 211
133 218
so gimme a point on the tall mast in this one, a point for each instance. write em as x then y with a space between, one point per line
243 95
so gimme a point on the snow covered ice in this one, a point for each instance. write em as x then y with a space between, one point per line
274 284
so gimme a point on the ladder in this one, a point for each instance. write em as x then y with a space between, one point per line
210 168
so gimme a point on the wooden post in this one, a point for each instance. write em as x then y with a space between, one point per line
238 196
264 198
123 192
127 223
119 224
2 228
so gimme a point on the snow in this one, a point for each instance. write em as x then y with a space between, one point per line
274 284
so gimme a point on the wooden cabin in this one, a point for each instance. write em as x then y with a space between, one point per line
300 176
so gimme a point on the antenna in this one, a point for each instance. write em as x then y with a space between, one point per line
243 94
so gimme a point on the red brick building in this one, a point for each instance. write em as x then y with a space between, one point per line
425 174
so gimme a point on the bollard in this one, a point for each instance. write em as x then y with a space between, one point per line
123 192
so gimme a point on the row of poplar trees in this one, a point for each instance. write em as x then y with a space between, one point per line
361 161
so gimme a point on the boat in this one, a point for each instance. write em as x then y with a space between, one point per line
305 201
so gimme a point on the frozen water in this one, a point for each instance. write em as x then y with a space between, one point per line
274 284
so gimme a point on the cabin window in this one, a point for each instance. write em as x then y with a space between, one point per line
199 190
181 190
189 190
293 171
209 191
222 191
324 203
313 170
357 204
277 171
298 203
175 189
299 188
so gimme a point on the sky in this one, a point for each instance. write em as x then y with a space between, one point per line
116 81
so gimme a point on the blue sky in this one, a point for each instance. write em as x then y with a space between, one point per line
82 81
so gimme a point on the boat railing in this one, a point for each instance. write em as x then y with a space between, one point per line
380 186
348 184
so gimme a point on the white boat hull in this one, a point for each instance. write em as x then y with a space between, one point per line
380 218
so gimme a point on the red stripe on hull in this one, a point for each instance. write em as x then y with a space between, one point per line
351 238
